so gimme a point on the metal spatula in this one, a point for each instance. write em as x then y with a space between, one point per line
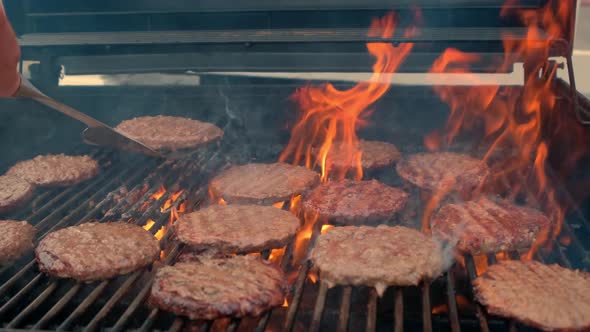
97 132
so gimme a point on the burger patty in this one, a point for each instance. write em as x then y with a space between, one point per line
218 287
374 155
95 251
484 226
16 239
237 228
14 191
547 297
263 183
378 257
349 202
55 170
432 171
170 132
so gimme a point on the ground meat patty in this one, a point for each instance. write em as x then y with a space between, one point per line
548 297
237 228
376 256
484 226
349 202
263 183
170 132
432 170
374 155
16 239
218 287
14 191
55 170
94 251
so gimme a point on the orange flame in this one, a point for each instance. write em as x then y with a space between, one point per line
463 304
182 207
326 228
276 255
330 115
481 264
303 237
149 224
312 276
279 205
158 194
221 201
285 303
295 205
511 120
160 233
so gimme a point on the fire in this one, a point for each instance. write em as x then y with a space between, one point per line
182 207
160 233
162 255
172 199
295 205
481 264
463 304
221 201
149 224
158 194
312 276
303 237
279 205
285 303
330 115
326 228
276 255
511 120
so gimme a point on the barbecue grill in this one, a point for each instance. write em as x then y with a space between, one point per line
212 39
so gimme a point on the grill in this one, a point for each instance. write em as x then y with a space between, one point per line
128 187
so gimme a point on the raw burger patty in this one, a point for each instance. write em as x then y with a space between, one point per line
170 132
16 239
14 191
237 228
431 170
349 202
376 256
374 155
94 251
218 287
548 297
55 170
484 226
263 183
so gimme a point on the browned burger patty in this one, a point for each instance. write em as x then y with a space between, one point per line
483 226
237 228
432 170
263 183
376 256
374 154
349 202
55 170
94 251
548 297
16 239
170 132
14 191
218 287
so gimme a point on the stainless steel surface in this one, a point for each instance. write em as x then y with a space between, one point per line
97 132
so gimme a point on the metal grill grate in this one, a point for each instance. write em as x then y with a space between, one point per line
32 300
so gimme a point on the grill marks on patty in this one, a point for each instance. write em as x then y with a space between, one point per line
548 297
16 238
263 183
170 132
14 191
237 228
349 202
485 226
218 287
55 170
94 251
376 256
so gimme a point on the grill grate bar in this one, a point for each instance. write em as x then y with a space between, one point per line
120 324
398 313
452 301
84 305
299 287
318 310
57 307
372 311
93 325
177 325
426 317
146 326
16 298
344 309
33 305
233 325
17 276
479 310
263 322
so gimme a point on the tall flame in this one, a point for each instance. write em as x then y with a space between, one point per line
511 120
330 115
